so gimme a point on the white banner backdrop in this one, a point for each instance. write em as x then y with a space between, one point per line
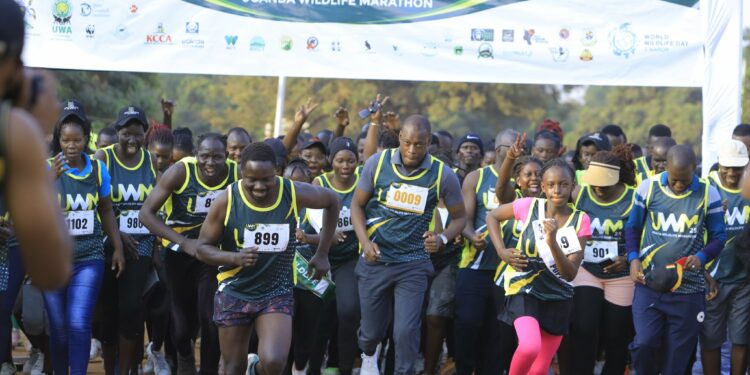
601 42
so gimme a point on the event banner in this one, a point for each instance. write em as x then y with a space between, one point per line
603 42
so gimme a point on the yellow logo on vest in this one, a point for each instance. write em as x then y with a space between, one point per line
79 202
130 193
606 227
681 224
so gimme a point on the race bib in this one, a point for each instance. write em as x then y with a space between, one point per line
80 223
129 223
345 220
599 251
407 198
268 238
491 202
203 201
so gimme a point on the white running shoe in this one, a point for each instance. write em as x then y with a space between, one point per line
38 368
298 372
252 361
96 349
33 356
158 361
369 365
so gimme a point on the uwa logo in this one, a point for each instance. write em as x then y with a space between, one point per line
673 223
130 193
79 202
737 216
606 226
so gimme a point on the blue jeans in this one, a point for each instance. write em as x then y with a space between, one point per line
69 310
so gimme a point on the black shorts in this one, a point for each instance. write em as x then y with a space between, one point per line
553 316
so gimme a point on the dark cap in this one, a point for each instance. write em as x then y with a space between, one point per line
72 108
278 149
666 278
472 138
343 143
314 142
598 139
128 114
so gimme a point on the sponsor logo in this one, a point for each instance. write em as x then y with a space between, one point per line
671 223
71 106
531 36
62 11
559 53
312 43
121 32
85 9
588 38
482 35
485 51
159 36
586 55
701 316
286 43
90 29
458 50
429 49
231 41
192 27
257 44
661 43
623 41
29 15
335 46
131 111
509 36
564 34
133 9
368 46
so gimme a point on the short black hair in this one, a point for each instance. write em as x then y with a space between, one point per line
614 130
388 139
107 131
258 151
211 136
546 134
445 133
421 123
70 120
300 164
183 142
183 131
660 130
741 130
160 135
241 131
559 162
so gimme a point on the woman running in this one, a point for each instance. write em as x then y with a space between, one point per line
543 265
133 176
603 288
189 188
84 190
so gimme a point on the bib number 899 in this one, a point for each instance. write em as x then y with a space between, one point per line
266 238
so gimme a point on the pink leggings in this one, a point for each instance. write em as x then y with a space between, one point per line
535 348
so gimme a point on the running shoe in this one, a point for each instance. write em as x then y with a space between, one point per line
38 368
96 349
7 369
252 361
298 372
159 363
369 365
33 357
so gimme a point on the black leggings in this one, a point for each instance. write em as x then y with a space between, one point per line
508 337
348 315
192 286
121 299
311 329
157 320
594 316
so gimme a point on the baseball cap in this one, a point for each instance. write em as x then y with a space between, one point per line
473 138
343 143
278 149
314 142
600 174
128 114
72 108
667 278
598 139
733 154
